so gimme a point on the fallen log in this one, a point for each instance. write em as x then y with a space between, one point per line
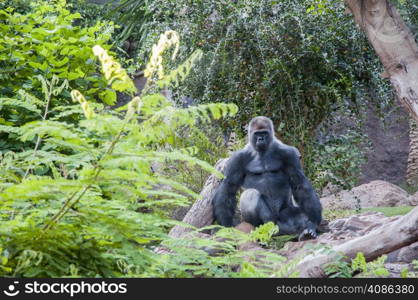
380 241
201 213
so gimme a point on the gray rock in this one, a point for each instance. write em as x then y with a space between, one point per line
377 193
330 189
406 254
395 269
413 200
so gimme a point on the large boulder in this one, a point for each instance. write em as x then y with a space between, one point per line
377 193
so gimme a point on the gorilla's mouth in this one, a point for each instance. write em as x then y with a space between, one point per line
261 146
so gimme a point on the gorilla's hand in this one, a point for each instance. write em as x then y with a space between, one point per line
309 232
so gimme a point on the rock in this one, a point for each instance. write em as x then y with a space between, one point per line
413 200
377 193
395 269
330 189
406 254
245 227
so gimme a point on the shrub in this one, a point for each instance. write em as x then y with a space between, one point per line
86 200
45 43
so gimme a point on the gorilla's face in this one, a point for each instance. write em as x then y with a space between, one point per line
261 140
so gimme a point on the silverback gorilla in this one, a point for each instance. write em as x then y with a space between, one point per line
270 172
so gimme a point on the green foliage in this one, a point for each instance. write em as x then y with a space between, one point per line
43 46
342 268
189 258
390 211
264 233
209 147
339 267
90 199
405 273
359 263
85 200
374 268
46 42
409 13
135 15
338 160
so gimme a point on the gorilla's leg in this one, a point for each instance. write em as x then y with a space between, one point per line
292 220
254 209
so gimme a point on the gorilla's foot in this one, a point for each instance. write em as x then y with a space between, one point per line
307 234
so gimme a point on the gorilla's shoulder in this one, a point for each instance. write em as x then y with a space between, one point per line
244 154
286 150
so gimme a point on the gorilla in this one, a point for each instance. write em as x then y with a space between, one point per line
270 172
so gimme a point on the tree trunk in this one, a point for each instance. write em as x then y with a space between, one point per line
394 44
412 169
201 213
380 241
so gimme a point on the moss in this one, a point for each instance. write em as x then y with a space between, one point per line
387 211
390 211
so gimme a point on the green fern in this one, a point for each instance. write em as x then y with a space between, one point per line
86 200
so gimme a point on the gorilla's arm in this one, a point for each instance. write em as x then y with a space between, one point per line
224 201
302 189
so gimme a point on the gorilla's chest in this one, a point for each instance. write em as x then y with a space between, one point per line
267 176
263 166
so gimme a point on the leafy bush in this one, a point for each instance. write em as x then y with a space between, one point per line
264 233
189 258
374 268
358 266
86 200
45 43
338 160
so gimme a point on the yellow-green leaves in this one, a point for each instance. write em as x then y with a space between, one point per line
113 72
181 72
133 107
155 65
264 233
77 96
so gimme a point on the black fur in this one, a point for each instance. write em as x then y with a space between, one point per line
273 169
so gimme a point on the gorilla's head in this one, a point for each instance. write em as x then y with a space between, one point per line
260 133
